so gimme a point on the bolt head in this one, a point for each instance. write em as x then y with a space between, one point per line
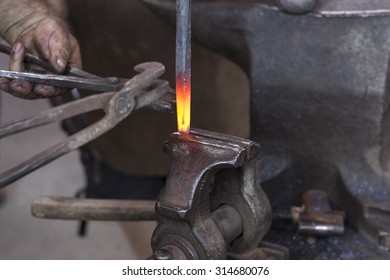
124 105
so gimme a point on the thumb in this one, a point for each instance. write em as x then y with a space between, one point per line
52 40
58 57
58 51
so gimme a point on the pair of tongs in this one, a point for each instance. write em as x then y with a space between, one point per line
143 89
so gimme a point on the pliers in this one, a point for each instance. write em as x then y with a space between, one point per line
144 89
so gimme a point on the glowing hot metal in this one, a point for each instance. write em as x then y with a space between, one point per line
183 65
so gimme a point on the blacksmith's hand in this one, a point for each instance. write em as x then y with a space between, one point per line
33 26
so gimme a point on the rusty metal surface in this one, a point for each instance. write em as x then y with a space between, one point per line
319 98
210 170
314 216
64 208
143 89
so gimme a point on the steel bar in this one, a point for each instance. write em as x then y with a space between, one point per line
183 64
93 209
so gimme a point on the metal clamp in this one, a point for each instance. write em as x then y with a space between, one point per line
212 203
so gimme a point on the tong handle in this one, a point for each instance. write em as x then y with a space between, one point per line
66 208
33 59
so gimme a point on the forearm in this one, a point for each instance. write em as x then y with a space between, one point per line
18 17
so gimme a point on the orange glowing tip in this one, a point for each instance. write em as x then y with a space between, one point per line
183 104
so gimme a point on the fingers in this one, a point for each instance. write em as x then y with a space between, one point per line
16 58
4 84
44 90
49 91
22 88
17 87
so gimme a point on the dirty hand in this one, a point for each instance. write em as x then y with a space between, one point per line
36 29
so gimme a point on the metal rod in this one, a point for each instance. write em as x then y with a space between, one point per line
93 209
183 64
229 222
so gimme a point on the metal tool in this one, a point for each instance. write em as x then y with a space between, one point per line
65 208
212 204
71 78
142 90
67 81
